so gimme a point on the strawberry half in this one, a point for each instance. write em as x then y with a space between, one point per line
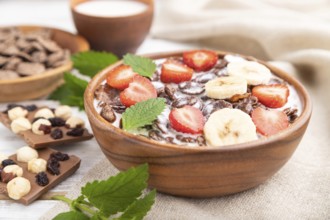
176 72
140 89
269 122
200 60
187 119
272 96
120 77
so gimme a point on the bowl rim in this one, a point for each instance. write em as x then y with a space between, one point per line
58 70
302 120
149 3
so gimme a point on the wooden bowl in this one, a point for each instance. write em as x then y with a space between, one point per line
118 35
201 171
37 86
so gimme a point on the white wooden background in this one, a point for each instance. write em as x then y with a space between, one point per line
53 13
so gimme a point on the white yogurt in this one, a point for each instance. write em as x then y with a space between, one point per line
111 8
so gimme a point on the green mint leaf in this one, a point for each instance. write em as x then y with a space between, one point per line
72 215
139 208
142 113
141 65
118 192
71 92
91 62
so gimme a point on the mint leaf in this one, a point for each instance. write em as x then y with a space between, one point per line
141 65
115 194
71 92
142 113
91 62
72 215
139 208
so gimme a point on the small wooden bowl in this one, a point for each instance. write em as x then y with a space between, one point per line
37 86
118 35
199 171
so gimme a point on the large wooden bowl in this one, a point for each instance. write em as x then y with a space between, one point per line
118 35
37 86
199 172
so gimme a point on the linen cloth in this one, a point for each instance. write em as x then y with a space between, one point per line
293 31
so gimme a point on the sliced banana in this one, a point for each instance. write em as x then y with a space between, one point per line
229 126
225 87
254 72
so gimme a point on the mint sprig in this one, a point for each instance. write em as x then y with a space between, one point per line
88 63
91 62
142 113
141 65
119 195
71 92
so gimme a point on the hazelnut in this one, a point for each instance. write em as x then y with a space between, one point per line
3 157
14 169
20 124
18 187
74 122
25 154
63 112
44 113
17 112
36 126
37 165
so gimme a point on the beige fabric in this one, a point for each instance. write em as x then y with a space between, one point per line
294 31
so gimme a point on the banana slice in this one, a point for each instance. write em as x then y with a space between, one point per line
229 126
225 87
254 72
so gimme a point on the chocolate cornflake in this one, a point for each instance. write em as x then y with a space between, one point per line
24 54
201 140
179 103
292 114
108 114
247 104
170 92
191 88
237 97
214 105
155 135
